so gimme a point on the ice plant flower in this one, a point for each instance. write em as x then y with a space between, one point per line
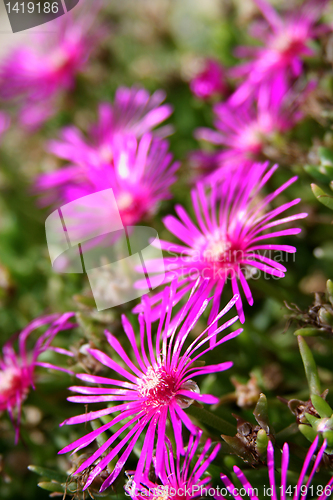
17 370
35 75
303 487
140 172
286 41
153 388
180 479
231 240
210 81
133 112
245 131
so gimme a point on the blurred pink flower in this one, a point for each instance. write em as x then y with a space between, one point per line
158 384
226 241
178 476
303 487
210 81
34 76
17 370
286 40
140 172
134 112
246 130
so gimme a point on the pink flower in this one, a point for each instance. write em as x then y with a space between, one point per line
17 370
180 478
229 239
286 41
282 492
35 75
140 172
210 81
157 384
244 131
134 112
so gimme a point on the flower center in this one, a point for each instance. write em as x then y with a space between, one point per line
132 207
106 153
222 252
11 383
158 386
289 42
251 139
60 59
125 201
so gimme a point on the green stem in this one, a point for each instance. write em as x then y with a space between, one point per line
309 366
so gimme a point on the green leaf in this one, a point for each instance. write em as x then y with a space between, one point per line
321 196
308 432
262 442
261 413
54 487
101 438
316 174
208 418
328 170
308 332
321 406
314 421
325 317
329 286
326 156
328 435
60 477
309 366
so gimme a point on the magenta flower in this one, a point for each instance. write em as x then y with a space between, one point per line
133 112
156 387
286 40
35 75
17 370
140 172
231 239
180 478
210 81
300 491
245 131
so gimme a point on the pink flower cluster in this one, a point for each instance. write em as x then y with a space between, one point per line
34 76
157 387
233 217
303 487
122 152
17 370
